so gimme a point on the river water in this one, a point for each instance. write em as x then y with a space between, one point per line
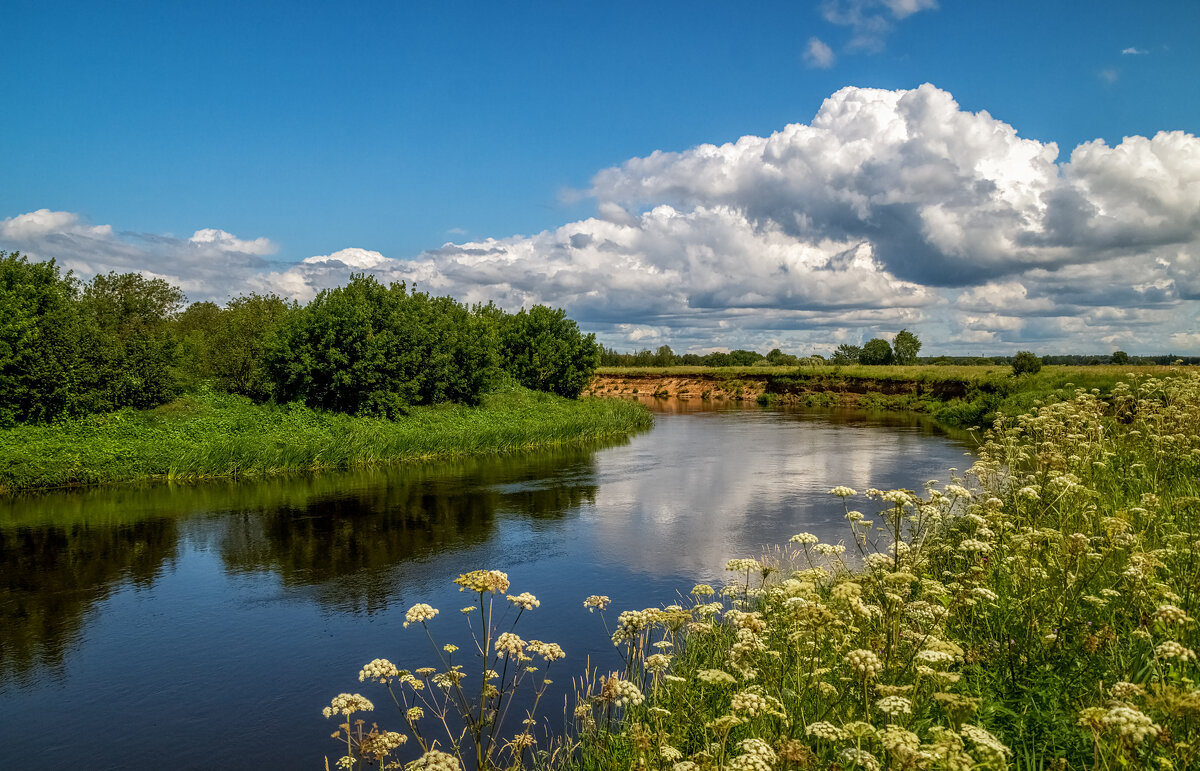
206 626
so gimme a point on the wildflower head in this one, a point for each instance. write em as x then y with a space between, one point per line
842 491
419 614
596 601
347 704
481 581
524 601
380 671
864 663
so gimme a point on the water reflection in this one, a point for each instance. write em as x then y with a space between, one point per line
53 576
354 548
346 541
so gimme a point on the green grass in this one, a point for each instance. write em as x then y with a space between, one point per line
209 435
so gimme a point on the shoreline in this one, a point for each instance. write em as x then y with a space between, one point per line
209 436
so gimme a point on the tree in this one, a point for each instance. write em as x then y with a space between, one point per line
846 354
38 340
1120 357
244 333
906 346
876 351
1026 362
364 348
544 350
128 348
664 356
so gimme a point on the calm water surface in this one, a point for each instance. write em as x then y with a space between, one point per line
206 627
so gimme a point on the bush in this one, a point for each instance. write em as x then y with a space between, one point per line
875 352
38 340
364 348
544 350
1026 363
128 348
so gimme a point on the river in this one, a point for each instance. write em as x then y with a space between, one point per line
206 626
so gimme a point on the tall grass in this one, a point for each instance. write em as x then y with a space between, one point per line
209 435
1039 612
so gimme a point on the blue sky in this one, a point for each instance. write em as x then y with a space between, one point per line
223 144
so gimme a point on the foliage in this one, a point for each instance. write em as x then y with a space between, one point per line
875 352
906 346
367 349
1026 363
241 339
1040 612
1119 357
38 340
127 346
544 350
207 435
847 354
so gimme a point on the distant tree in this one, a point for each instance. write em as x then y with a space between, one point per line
846 354
1120 357
1026 362
906 346
128 347
664 356
743 358
38 339
876 351
544 350
716 359
778 358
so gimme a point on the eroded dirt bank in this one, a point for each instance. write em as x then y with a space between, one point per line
829 389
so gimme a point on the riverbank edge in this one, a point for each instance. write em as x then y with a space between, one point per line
957 396
213 436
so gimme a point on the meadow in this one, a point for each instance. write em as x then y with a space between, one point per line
1037 611
209 435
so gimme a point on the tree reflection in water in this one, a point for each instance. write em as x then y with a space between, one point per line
350 541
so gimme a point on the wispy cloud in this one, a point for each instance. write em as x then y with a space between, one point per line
818 55
1134 52
870 21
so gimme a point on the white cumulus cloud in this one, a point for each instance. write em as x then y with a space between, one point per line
888 209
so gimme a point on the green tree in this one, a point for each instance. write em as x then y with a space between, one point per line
364 348
196 328
846 354
38 339
876 351
906 346
544 350
244 333
128 347
1120 357
664 356
1026 362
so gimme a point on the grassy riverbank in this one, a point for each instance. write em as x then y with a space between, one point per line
961 396
1038 613
212 435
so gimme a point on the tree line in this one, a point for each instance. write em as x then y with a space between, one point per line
70 348
902 350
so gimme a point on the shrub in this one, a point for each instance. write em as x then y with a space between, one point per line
38 339
1026 363
876 351
364 348
544 350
